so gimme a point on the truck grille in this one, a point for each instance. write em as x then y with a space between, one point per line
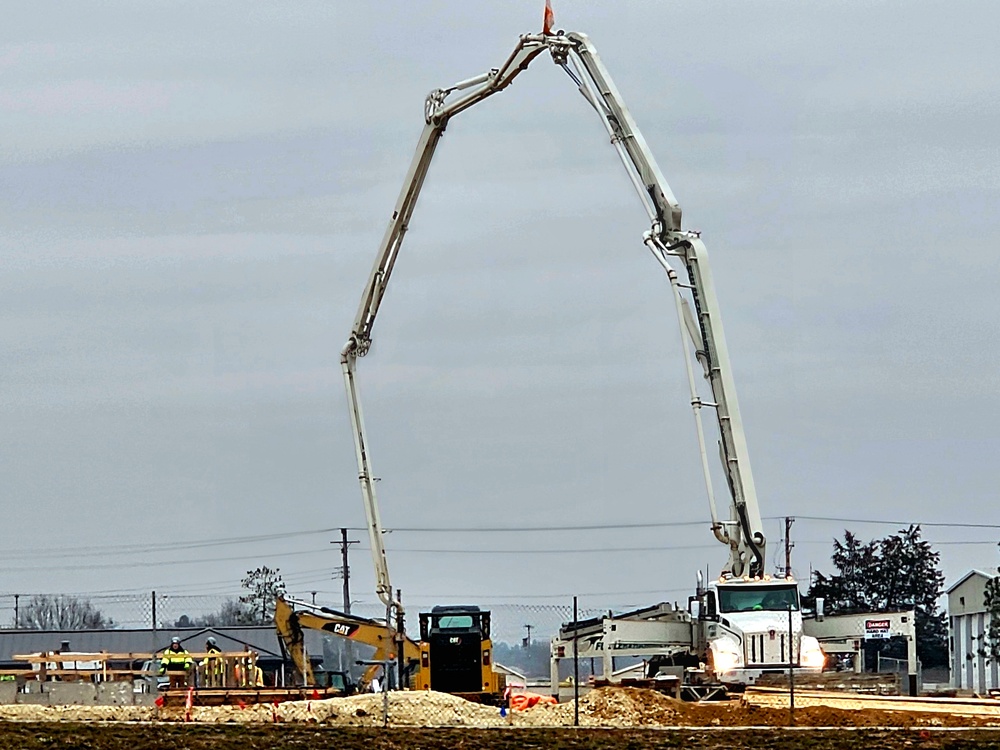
769 648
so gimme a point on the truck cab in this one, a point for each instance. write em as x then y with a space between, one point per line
753 626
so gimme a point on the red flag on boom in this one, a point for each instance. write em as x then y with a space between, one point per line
548 19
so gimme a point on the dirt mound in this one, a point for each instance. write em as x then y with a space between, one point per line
636 706
610 707
605 707
742 713
427 709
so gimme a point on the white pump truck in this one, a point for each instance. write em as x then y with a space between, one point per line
746 622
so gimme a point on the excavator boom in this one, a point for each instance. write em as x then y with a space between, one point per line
291 623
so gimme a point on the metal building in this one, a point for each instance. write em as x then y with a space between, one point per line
968 622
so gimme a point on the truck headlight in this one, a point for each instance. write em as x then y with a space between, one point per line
726 655
811 655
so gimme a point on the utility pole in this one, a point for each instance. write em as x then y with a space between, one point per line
17 611
345 569
346 649
788 545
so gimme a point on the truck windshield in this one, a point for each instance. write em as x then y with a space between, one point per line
454 622
758 598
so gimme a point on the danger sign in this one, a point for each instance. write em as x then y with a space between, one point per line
876 628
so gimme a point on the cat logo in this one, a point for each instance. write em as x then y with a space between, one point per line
344 630
455 640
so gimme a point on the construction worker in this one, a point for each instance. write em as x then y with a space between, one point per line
248 674
212 666
176 662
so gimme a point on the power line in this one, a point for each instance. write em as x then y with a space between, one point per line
106 549
165 563
182 545
935 524
574 551
204 588
256 556
666 524
562 594
528 529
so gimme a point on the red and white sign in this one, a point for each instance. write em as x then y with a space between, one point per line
877 629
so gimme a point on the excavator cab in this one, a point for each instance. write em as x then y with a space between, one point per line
456 653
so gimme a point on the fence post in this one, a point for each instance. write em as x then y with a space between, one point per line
153 599
791 671
576 666
385 668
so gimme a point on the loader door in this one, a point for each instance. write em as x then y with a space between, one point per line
455 641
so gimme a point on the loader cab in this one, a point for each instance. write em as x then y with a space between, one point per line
455 649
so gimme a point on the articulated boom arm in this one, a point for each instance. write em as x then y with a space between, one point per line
743 532
574 52
436 115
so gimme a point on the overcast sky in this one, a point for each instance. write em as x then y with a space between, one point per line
192 194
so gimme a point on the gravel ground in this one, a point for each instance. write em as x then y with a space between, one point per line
73 736
606 708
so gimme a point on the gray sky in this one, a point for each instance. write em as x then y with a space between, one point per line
191 196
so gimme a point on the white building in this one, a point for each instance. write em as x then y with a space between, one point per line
968 622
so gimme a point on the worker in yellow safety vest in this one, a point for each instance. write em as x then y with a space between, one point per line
212 666
248 674
176 662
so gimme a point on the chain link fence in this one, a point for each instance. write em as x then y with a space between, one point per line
512 623
128 611
520 633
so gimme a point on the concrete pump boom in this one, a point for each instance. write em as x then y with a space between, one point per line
575 53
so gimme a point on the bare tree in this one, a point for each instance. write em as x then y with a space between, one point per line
45 612
232 612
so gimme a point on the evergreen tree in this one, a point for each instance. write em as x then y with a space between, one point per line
900 571
991 639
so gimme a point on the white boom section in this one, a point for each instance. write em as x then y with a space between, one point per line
436 116
743 532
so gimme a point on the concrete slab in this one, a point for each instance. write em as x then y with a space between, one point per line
71 694
33 699
114 694
8 692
